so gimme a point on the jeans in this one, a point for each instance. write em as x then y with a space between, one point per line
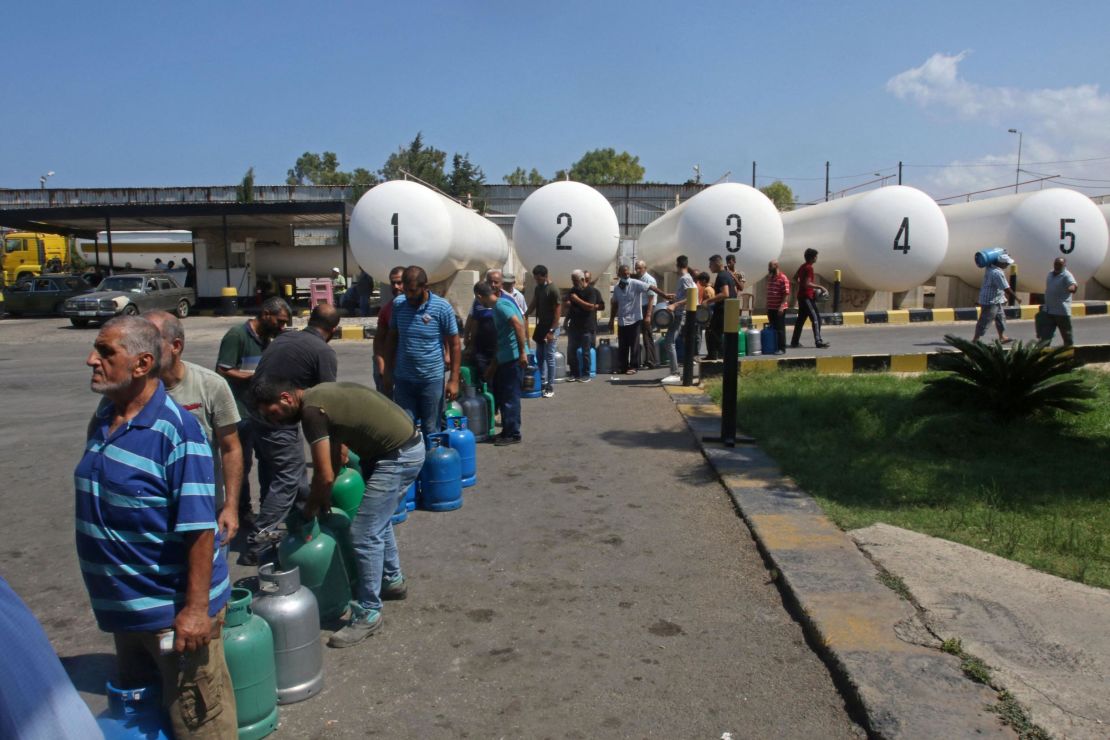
579 340
376 557
545 358
647 337
506 392
674 331
628 346
777 319
423 399
807 309
994 312
281 473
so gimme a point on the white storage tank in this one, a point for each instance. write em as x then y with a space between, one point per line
139 248
405 223
729 218
1034 228
566 226
1102 274
892 238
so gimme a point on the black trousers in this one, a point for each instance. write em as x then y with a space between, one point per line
777 319
651 357
628 346
807 309
714 335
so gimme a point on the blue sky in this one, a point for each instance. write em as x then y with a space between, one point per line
154 93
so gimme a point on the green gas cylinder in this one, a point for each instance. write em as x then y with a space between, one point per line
492 408
319 556
453 409
347 490
249 650
353 460
338 525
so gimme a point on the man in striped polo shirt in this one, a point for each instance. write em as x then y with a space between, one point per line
145 530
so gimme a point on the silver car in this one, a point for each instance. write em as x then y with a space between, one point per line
130 294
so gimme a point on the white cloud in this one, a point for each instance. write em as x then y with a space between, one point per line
1065 123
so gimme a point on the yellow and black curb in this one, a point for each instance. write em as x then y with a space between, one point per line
887 666
919 315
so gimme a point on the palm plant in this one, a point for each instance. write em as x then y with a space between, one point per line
1008 382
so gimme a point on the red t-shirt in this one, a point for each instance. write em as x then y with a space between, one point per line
778 288
802 276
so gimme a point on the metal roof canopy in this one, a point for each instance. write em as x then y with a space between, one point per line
86 221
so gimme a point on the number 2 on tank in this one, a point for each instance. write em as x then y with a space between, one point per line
559 237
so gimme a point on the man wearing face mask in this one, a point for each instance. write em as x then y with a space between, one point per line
627 309
304 359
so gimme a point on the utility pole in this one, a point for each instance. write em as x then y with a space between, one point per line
753 173
826 182
899 173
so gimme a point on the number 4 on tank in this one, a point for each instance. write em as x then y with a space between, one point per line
903 236
559 237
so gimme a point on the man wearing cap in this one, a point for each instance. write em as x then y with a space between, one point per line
993 295
508 288
338 285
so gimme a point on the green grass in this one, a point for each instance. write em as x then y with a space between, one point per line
1033 490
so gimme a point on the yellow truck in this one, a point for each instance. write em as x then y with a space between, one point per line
29 254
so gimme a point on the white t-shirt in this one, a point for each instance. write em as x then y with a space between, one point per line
207 396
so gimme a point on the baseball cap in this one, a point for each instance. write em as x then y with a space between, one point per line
508 277
1005 259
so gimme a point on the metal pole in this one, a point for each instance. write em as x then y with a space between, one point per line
690 336
836 292
227 254
108 229
1017 175
343 243
826 182
96 249
753 173
899 173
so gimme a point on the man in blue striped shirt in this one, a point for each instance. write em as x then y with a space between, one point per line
146 522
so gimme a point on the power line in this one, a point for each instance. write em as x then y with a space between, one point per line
1006 164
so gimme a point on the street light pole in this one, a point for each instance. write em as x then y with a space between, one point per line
1017 175
42 179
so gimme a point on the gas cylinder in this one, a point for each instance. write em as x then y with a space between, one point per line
768 340
592 359
354 462
134 714
604 357
338 525
323 570
294 618
752 336
492 404
531 386
401 513
452 409
347 490
476 413
741 343
249 649
466 376
986 257
461 440
560 366
441 476
410 495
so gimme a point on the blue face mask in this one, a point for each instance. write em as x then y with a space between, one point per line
624 282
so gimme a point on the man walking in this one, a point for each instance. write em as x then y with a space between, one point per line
993 294
724 287
304 359
778 298
240 350
391 448
647 338
678 308
146 520
206 396
1059 288
547 307
627 310
583 303
807 302
421 324
507 371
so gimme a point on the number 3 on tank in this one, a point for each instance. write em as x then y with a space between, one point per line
735 232
396 239
559 237
903 235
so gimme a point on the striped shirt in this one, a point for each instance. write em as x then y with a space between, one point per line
139 490
421 332
994 287
778 288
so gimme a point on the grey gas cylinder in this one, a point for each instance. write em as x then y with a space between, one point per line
560 367
604 357
290 610
752 336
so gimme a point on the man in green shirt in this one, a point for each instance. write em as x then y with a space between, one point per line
339 416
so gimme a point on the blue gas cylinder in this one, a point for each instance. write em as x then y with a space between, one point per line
134 714
461 440
441 476
985 257
531 386
768 340
410 495
401 513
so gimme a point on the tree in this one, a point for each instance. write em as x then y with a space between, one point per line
244 193
780 194
466 179
604 167
520 177
323 169
424 163
362 180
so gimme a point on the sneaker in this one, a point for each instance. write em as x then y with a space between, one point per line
585 379
572 379
363 623
396 589
794 345
503 441
822 345
672 380
780 352
248 558
548 393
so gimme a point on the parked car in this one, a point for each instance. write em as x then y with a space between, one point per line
43 295
130 294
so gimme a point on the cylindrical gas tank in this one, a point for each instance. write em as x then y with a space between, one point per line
410 495
752 340
249 649
134 714
337 524
405 223
768 340
441 476
1102 274
1034 229
476 412
604 357
491 405
294 618
531 385
893 238
560 366
347 491
461 440
321 563
401 513
452 409
566 226
591 358
728 218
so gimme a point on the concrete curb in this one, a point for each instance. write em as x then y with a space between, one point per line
917 315
885 662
